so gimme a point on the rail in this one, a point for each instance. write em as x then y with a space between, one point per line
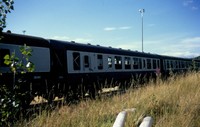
121 117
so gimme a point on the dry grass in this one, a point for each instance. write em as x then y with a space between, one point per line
173 103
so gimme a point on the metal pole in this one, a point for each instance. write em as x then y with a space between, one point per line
142 13
142 33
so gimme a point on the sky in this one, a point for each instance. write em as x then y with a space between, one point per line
170 27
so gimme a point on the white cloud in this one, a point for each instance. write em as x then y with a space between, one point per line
174 44
163 47
190 4
131 46
109 28
117 28
187 2
187 47
125 27
79 40
191 42
63 38
192 39
82 40
185 54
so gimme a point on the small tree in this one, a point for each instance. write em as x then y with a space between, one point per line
12 100
20 65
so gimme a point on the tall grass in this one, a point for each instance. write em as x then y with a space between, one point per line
172 103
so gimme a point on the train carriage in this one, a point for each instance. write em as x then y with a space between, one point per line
91 65
175 64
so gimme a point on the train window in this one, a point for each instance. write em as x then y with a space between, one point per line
135 63
171 64
158 63
86 61
179 64
154 64
109 62
118 62
183 64
127 62
100 62
176 64
148 63
3 52
196 64
140 63
167 62
187 64
144 63
76 61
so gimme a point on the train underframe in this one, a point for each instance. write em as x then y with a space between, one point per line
72 86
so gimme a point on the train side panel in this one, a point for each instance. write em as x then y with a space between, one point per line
83 66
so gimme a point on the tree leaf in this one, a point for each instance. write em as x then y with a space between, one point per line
6 57
12 7
7 62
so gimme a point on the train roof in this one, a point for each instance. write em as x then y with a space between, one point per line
101 49
176 58
19 39
109 50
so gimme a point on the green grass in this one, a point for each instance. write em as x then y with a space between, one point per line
171 103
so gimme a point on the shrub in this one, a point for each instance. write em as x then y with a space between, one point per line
12 99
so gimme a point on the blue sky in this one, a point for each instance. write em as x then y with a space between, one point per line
171 27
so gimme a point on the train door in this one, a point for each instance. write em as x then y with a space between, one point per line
144 64
87 59
99 62
110 62
162 65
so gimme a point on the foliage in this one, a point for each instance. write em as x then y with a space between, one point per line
13 99
23 65
5 7
9 106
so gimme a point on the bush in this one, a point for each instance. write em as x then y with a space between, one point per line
13 98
